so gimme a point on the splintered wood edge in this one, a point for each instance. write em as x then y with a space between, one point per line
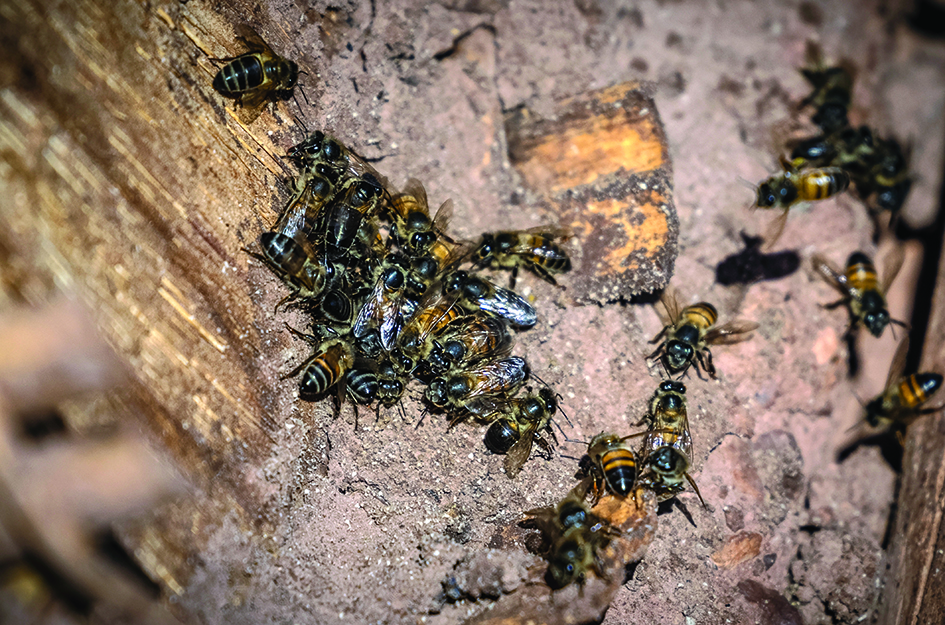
535 603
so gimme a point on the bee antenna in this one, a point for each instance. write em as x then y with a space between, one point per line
422 417
569 457
747 183
561 410
575 440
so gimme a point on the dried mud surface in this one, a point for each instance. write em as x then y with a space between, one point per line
366 526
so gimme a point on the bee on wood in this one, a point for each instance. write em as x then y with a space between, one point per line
320 153
412 229
255 77
351 216
476 389
901 402
666 472
688 333
535 249
327 366
792 186
477 293
299 220
832 91
518 426
862 291
289 259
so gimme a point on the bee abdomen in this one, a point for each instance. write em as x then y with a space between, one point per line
239 76
918 387
620 470
701 315
861 273
324 372
824 183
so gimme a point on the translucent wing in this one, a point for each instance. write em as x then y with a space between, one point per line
731 332
252 39
892 263
670 301
520 451
501 376
774 230
898 364
414 189
510 306
251 105
831 274
442 218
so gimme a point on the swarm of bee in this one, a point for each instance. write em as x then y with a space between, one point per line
840 156
389 301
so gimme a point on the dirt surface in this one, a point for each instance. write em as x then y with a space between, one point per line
395 523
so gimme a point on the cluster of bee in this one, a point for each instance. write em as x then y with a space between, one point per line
389 302
574 536
828 163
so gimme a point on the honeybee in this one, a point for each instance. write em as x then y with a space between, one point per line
386 307
327 366
833 89
666 471
468 340
299 220
888 180
520 425
850 148
337 309
552 521
289 260
863 293
362 385
319 149
256 76
669 419
689 332
534 249
477 293
412 228
901 402
391 384
470 389
611 464
432 317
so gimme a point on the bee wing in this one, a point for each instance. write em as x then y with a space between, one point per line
414 188
520 451
370 314
442 218
829 272
774 230
898 364
560 233
731 332
892 263
670 301
252 39
251 106
510 306
487 407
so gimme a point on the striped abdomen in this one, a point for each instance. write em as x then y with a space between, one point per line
819 184
324 371
240 75
620 470
861 273
702 315
916 389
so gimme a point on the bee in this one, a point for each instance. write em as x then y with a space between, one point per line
391 384
362 385
888 180
434 315
299 220
832 93
477 293
903 398
863 293
320 152
289 260
358 200
337 309
468 340
669 419
666 471
552 521
519 427
327 366
413 230
385 308
611 464
533 249
689 332
470 389
256 76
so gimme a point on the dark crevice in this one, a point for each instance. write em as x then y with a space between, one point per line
107 545
443 54
928 18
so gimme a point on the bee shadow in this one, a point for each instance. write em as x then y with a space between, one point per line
888 445
665 507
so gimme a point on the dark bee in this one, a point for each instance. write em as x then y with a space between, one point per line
477 293
474 389
666 472
688 333
520 425
386 308
832 93
356 202
862 290
552 521
468 340
850 148
362 386
256 76
611 464
289 260
534 249
391 384
337 310
432 317
412 228
329 365
888 181
300 218
901 402
321 153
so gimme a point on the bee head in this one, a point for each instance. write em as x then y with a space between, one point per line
484 252
436 393
766 196
678 354
421 241
876 321
563 564
293 75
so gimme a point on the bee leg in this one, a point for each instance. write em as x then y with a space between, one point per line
705 359
836 304
659 336
298 369
513 277
692 483
544 273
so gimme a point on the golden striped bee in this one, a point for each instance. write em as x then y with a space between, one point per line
300 218
669 419
326 368
611 464
792 186
477 293
412 229
290 260
533 249
476 389
901 402
863 292
255 77
416 340
468 340
518 426
688 333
